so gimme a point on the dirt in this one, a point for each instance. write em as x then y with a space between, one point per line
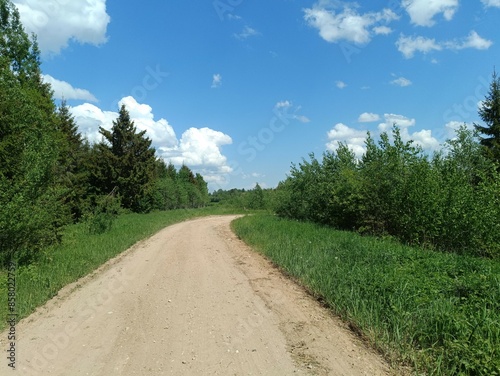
191 300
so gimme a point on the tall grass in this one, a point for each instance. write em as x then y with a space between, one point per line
81 252
437 312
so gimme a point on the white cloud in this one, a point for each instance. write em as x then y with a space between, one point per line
216 81
63 90
283 104
409 45
382 30
491 3
347 24
247 32
57 22
394 119
302 118
355 139
452 127
422 12
341 84
473 40
401 81
368 117
89 118
198 148
423 138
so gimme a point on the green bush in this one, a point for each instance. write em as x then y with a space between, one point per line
101 219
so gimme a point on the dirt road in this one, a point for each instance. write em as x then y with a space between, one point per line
191 300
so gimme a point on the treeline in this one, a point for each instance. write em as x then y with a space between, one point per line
51 176
252 199
450 201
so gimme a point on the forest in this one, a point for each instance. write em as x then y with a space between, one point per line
51 176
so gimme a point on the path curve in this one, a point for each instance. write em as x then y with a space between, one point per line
191 300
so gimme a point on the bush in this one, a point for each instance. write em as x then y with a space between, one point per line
101 219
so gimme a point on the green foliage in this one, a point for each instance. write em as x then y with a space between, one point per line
253 199
125 160
489 112
31 211
449 201
174 190
438 312
101 219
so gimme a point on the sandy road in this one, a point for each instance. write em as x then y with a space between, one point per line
191 300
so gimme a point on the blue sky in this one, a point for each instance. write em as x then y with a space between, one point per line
239 89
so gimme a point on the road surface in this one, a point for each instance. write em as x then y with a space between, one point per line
191 300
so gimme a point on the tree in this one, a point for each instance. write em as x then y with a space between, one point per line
125 162
31 210
73 163
489 112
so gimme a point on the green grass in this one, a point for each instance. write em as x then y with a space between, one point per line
438 313
80 253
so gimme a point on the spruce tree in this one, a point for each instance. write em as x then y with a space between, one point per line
73 163
489 112
125 162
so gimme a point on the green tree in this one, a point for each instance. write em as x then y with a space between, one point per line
489 112
73 164
31 210
124 162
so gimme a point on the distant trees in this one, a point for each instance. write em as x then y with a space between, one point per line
256 198
489 112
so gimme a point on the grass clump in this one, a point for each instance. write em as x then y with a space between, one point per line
437 312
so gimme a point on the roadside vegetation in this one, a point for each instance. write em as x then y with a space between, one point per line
438 313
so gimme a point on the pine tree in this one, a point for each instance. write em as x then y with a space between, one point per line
489 112
125 162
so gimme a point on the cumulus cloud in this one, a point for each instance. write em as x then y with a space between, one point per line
422 12
56 23
394 119
198 148
423 138
353 138
347 24
90 117
63 90
216 81
401 81
368 117
246 33
409 45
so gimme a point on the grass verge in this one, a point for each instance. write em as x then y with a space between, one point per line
438 313
80 253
